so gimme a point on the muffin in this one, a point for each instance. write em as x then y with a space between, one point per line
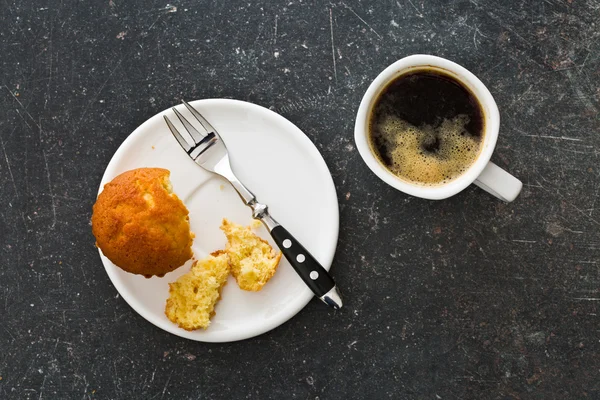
192 298
141 225
252 260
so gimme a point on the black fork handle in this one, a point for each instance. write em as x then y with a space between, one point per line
309 269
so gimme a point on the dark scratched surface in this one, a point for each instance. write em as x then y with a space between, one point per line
466 298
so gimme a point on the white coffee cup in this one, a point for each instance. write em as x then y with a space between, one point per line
482 172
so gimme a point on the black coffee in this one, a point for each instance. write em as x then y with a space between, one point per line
426 127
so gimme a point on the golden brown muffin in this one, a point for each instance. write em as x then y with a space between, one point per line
252 260
192 297
141 225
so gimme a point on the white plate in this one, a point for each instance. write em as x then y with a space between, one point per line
284 170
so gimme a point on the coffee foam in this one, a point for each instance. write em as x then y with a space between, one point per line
405 145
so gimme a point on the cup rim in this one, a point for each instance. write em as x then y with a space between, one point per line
491 127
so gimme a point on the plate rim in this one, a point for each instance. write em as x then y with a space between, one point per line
306 296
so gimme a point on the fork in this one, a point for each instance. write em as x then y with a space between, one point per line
209 151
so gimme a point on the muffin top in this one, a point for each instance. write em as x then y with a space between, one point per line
141 225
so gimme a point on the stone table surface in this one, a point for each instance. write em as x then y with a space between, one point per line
466 298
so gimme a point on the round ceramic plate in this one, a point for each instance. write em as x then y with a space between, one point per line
283 169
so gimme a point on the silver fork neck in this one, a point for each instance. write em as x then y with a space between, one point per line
261 212
246 195
224 169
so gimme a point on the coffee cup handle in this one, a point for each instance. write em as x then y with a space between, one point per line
498 182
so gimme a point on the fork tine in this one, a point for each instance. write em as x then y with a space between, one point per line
177 135
196 136
200 118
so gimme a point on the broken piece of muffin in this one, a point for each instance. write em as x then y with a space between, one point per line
252 259
192 297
